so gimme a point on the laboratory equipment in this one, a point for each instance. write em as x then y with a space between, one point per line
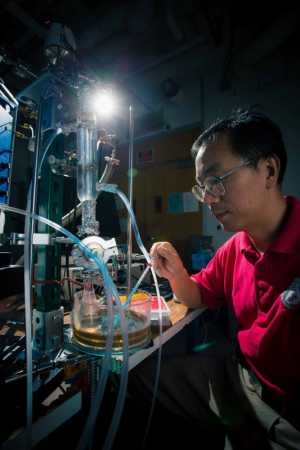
90 320
87 166
117 321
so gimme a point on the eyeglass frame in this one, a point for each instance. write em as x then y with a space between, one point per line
203 187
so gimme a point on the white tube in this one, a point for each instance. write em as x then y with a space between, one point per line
158 360
113 188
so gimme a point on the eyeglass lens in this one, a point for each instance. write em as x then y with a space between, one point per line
212 185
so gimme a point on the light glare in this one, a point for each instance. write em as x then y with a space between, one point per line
104 103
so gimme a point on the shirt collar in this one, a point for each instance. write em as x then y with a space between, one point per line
289 239
246 244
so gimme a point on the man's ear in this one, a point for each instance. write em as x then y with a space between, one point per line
272 167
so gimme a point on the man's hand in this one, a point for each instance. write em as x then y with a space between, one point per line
166 261
167 264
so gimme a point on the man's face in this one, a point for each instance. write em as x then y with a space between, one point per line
242 206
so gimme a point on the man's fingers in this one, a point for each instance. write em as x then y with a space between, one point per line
157 264
153 249
165 259
166 249
158 272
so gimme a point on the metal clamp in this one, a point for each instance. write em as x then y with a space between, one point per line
48 329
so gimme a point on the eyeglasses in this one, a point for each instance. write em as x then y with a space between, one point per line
213 184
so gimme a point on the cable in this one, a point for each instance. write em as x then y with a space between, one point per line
223 84
216 34
215 319
68 272
71 50
70 280
144 283
205 337
71 197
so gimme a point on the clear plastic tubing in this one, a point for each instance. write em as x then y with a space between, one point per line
113 188
107 279
93 413
112 292
41 160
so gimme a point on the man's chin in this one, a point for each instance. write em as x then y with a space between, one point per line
229 227
226 224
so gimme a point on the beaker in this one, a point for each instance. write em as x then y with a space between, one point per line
89 322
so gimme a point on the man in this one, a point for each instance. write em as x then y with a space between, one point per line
254 393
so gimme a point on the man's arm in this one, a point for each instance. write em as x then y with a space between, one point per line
168 264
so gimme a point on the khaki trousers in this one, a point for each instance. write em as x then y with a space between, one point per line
219 394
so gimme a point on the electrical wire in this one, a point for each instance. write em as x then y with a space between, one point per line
232 38
72 51
68 272
69 280
205 337
143 283
67 246
216 34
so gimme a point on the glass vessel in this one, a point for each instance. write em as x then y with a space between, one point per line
87 166
89 322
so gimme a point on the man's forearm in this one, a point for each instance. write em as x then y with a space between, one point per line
187 290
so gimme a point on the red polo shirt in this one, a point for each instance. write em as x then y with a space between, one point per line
263 294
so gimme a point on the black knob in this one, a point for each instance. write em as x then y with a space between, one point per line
3 193
4 165
3 179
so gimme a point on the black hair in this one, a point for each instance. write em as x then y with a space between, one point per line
250 134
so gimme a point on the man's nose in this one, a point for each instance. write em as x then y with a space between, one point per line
210 199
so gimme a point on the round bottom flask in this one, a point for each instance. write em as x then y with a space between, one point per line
89 322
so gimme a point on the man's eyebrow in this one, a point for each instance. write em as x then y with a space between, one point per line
214 167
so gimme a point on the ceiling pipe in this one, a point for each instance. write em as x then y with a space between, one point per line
164 58
113 22
246 57
29 34
137 16
175 24
140 16
24 18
